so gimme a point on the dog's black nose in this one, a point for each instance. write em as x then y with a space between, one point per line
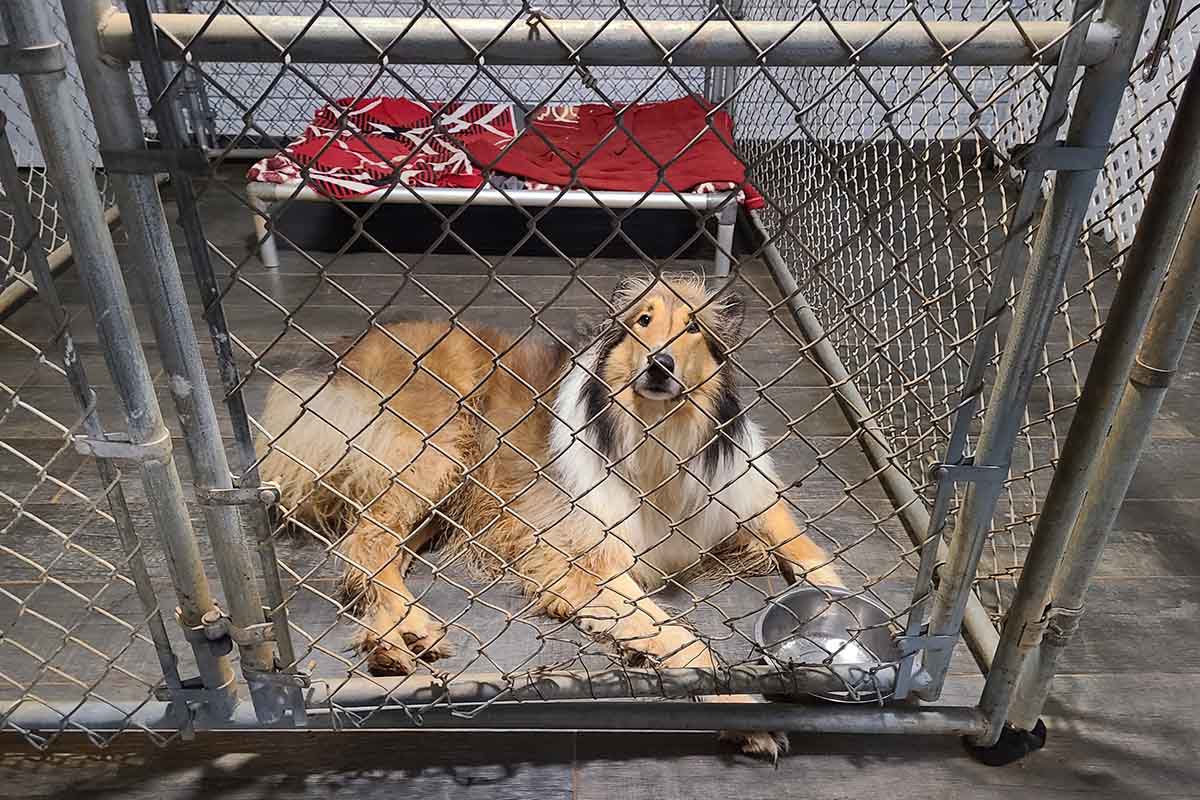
663 362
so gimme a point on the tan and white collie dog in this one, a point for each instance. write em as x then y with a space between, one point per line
588 480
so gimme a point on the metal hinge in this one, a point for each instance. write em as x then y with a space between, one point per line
267 495
1058 157
967 472
119 446
1150 377
296 680
38 59
142 161
909 645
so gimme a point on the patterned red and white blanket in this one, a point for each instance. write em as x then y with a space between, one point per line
359 147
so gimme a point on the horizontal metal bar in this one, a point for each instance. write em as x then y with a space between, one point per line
143 161
429 40
611 684
518 198
97 717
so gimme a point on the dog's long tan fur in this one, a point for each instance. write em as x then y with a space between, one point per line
535 467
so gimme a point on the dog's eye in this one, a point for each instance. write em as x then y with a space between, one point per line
643 320
693 327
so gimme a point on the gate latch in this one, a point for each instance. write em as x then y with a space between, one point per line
924 641
217 625
220 633
267 495
1058 157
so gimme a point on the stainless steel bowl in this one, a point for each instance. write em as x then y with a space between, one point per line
845 632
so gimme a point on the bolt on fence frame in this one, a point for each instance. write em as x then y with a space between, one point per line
149 442
225 508
1106 42
1045 600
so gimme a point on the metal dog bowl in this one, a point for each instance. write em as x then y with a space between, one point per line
838 630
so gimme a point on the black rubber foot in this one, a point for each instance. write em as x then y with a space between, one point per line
1014 745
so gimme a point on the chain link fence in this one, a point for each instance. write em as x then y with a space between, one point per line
79 595
905 197
564 462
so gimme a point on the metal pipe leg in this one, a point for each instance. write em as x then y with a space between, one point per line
1142 276
1099 98
726 222
268 253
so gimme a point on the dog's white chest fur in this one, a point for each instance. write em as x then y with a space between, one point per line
646 504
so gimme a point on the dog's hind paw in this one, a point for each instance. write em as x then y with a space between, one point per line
759 744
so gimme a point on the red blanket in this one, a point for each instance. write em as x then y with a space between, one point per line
384 140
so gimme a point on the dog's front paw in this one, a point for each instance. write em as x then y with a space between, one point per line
429 643
759 744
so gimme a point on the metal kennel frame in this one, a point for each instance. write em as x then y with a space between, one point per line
984 418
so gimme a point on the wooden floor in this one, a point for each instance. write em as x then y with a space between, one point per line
1123 720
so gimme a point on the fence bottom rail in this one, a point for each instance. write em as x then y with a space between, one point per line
29 716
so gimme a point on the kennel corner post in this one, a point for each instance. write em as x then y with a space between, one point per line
118 126
1144 378
59 131
1089 128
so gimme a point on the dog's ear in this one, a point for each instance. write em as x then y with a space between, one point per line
731 311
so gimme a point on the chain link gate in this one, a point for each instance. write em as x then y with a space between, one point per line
854 304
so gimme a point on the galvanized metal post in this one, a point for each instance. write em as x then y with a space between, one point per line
118 126
59 131
1091 125
1167 334
1142 275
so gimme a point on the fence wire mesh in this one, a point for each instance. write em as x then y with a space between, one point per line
79 615
490 486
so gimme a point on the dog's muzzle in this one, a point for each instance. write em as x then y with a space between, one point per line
658 381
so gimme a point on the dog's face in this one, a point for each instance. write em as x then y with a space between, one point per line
669 336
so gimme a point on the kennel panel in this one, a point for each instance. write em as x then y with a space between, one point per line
292 313
891 237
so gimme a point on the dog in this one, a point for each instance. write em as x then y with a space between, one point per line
589 479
